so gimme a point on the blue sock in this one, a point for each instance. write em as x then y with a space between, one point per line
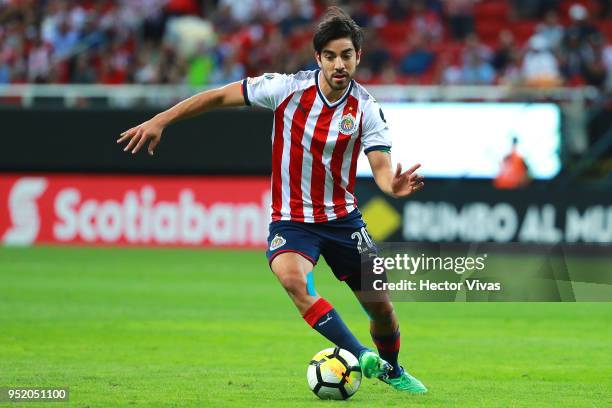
323 318
388 348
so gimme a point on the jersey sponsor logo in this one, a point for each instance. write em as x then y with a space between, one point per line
348 124
277 242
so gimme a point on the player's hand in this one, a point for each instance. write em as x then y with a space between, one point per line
138 136
404 184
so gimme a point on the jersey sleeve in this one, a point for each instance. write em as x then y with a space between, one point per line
375 134
265 91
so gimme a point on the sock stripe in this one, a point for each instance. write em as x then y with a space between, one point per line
316 311
389 343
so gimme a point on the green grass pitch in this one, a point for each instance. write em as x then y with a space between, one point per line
211 328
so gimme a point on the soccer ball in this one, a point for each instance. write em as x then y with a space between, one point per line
334 373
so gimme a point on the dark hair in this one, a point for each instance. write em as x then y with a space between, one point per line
337 24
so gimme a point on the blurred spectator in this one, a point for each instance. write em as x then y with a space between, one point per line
505 51
607 61
295 18
196 41
39 61
109 75
449 72
359 13
419 58
373 57
551 30
578 54
477 71
581 25
83 72
146 69
460 14
473 46
511 74
595 70
388 75
5 71
231 70
534 8
540 67
201 67
574 55
63 39
425 21
513 170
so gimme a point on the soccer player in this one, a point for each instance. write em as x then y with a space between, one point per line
322 120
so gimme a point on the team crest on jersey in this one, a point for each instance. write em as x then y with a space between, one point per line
277 242
348 124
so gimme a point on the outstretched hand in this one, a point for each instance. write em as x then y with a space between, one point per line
404 184
138 136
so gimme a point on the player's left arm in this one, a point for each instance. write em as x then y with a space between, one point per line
394 183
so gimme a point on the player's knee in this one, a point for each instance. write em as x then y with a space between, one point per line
293 282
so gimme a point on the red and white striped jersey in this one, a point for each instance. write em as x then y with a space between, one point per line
315 143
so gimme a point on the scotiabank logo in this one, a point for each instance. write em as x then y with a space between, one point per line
136 210
23 211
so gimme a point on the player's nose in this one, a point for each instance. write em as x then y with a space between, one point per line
339 64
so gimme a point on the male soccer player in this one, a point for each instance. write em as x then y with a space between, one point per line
322 120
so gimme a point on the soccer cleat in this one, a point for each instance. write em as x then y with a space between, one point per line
372 365
405 382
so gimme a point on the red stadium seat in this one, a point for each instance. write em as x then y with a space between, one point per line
488 30
523 30
395 32
497 10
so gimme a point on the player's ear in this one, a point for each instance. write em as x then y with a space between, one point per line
318 58
358 57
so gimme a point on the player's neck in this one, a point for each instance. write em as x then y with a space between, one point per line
332 95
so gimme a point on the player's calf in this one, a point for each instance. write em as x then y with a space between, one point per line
292 272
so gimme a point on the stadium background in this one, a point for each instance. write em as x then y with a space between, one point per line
164 324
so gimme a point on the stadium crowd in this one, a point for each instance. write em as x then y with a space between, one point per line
528 42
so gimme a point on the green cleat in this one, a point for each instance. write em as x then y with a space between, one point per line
405 382
372 365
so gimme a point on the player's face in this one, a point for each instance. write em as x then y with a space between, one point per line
338 61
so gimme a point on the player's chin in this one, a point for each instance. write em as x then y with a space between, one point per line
339 84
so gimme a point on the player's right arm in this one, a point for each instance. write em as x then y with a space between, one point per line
227 96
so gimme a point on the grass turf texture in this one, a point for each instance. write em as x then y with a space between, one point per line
167 327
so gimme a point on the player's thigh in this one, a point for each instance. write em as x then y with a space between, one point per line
293 250
291 269
348 249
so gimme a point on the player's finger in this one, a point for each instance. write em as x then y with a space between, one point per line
134 140
122 138
415 177
413 168
399 170
419 186
153 145
140 143
125 135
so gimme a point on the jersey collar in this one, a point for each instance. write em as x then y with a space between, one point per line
324 99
